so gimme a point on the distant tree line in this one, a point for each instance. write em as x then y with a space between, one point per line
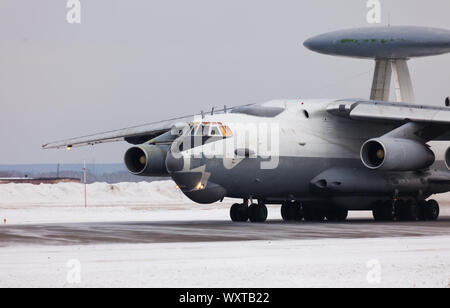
110 178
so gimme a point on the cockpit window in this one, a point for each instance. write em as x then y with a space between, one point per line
215 131
209 129
206 129
203 133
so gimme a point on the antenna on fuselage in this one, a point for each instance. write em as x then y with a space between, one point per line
391 47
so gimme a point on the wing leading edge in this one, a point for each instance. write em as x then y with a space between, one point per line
133 135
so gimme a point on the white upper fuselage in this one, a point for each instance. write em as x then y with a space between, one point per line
305 129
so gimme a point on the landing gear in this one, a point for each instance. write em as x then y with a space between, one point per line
405 210
291 211
379 211
314 213
429 210
408 211
241 212
296 211
258 212
336 214
387 210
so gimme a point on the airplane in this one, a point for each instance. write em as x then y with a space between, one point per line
318 158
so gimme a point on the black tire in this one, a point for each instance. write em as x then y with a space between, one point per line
379 211
423 210
234 212
257 213
410 211
432 210
239 212
291 211
313 213
400 211
243 213
391 210
336 214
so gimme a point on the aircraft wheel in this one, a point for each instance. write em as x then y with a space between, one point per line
291 211
422 210
239 212
432 210
258 212
391 210
379 211
409 211
400 211
336 214
314 213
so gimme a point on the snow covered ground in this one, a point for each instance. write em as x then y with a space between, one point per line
156 201
161 200
382 262
400 262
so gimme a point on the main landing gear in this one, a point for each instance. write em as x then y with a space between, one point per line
256 212
296 211
406 210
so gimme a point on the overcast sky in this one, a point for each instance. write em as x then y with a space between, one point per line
135 61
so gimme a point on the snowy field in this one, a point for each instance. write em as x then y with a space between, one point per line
412 262
381 262
156 201
30 204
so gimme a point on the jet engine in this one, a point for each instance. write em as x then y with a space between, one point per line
396 154
147 160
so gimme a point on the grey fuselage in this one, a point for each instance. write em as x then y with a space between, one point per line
317 155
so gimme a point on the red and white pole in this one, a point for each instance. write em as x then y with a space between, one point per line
85 184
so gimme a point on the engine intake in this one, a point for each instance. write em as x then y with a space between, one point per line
147 160
396 154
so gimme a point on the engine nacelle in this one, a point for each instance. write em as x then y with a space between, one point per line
396 154
447 158
147 160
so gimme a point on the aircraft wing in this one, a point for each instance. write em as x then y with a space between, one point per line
133 135
388 111
437 119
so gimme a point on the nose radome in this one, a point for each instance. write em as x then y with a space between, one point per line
309 43
174 162
314 43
